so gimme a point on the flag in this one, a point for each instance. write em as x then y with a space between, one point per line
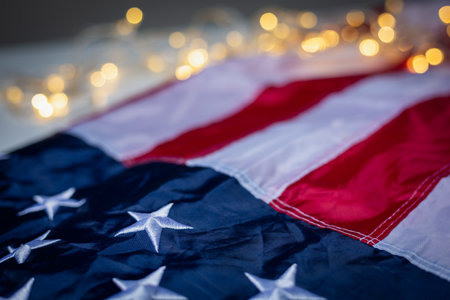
262 178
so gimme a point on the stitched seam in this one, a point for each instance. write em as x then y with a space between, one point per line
436 175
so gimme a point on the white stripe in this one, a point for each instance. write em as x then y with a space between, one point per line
270 160
213 94
423 237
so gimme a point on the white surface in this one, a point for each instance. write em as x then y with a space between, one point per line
423 236
268 161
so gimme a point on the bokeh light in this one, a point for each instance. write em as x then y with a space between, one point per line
234 38
198 57
419 64
349 34
55 83
177 40
369 47
97 79
155 63
282 31
313 45
183 72
355 18
386 19
268 21
218 52
307 20
109 71
39 100
14 95
59 100
330 37
394 6
434 56
386 34
444 14
134 15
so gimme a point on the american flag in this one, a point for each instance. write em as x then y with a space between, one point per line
262 178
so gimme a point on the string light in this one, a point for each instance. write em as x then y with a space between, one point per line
234 38
97 79
394 6
155 63
134 15
183 72
369 47
444 14
39 100
330 37
268 21
314 44
419 64
386 19
355 18
307 20
59 100
386 34
349 34
45 110
109 71
55 83
177 40
434 56
14 94
282 31
198 57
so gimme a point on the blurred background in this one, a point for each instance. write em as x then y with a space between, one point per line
61 61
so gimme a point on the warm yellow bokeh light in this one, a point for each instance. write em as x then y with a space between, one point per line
109 71
134 15
14 94
419 64
355 18
55 83
97 79
386 34
282 31
155 63
386 19
349 34
197 57
330 37
183 72
266 42
177 40
218 52
59 100
268 21
307 20
369 47
39 100
448 30
434 56
314 44
444 14
45 110
234 38
394 6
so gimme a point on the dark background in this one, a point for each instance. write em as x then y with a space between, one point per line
39 20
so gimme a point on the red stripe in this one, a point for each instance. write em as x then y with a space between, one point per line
272 105
366 191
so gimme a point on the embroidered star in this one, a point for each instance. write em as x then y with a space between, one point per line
145 288
281 288
51 204
23 293
23 251
153 224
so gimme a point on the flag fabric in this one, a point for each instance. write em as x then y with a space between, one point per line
261 178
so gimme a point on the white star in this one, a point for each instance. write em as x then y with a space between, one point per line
23 293
23 251
145 288
281 288
153 224
51 204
